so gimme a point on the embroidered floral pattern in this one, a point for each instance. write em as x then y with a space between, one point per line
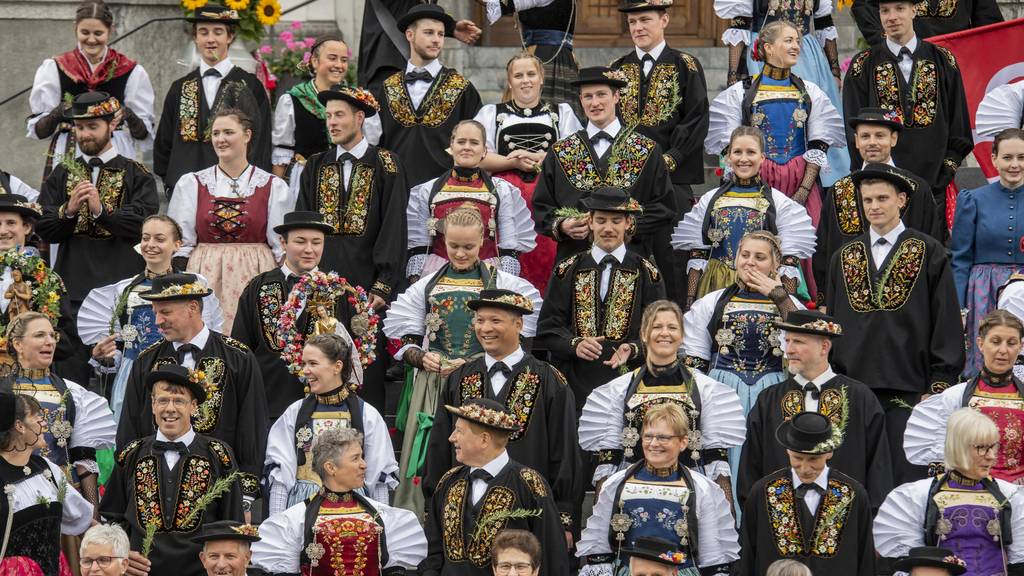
147 493
451 522
328 186
619 304
792 403
941 8
847 210
270 296
831 518
495 500
581 168
924 94
535 482
110 185
888 89
585 307
188 110
209 410
195 481
437 105
471 387
831 405
361 187
662 95
221 452
522 399
387 160
565 265
896 282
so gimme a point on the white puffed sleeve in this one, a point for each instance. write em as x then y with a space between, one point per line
213 314
20 188
729 9
925 436
722 421
280 543
718 542
825 124
494 7
696 340
568 123
138 95
725 115
283 135
94 423
689 232
183 211
418 213
45 95
899 525
829 32
796 232
600 426
97 311
372 129
379 453
594 538
519 286
1001 108
77 511
280 459
407 544
406 314
1013 493
486 117
1011 299
515 224
281 202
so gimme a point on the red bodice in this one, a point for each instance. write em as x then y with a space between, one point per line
223 220
454 194
1006 408
350 540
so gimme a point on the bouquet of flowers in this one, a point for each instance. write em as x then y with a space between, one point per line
292 54
253 14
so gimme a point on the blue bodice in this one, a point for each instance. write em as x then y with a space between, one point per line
781 111
140 331
746 340
739 211
653 506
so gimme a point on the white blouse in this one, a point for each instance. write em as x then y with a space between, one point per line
1001 108
77 510
697 342
567 122
729 9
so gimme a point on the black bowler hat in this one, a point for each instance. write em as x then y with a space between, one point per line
628 6
361 99
227 530
600 75
486 412
810 322
20 205
215 14
609 199
8 409
898 177
180 376
304 220
429 12
89 105
179 286
879 116
931 556
656 550
501 298
808 433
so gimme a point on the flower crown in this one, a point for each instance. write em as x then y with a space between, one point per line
247 530
487 417
183 289
105 108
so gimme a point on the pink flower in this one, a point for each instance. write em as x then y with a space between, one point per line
845 64
296 25
309 41
306 57
292 46
286 36
266 49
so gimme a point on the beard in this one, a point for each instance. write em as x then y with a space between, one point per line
95 146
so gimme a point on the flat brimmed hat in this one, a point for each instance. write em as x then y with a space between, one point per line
932 556
656 550
505 299
879 116
179 376
628 6
601 75
179 286
304 220
810 322
610 199
227 530
486 412
215 14
361 99
899 178
89 105
20 205
427 12
806 433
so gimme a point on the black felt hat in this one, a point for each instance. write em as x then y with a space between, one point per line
486 412
628 6
501 298
898 177
227 530
179 286
656 550
361 99
20 205
609 199
304 220
8 409
180 376
600 75
215 14
806 433
810 322
89 105
879 116
931 556
430 12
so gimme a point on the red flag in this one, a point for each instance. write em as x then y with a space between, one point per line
988 57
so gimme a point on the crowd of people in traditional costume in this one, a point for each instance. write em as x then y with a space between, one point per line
804 370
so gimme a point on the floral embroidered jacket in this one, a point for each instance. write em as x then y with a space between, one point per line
934 17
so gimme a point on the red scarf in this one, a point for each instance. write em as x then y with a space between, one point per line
74 64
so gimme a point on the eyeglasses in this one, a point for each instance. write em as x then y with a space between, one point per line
164 401
103 561
983 449
508 567
660 438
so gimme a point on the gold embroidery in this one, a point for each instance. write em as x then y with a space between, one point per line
792 403
188 110
619 304
451 521
328 186
565 265
110 185
195 481
437 104
925 94
662 95
270 297
496 499
690 61
942 9
787 531
580 167
857 66
471 387
221 452
147 493
830 405
521 400
652 270
896 283
585 294
847 208
387 160
535 482
123 454
358 200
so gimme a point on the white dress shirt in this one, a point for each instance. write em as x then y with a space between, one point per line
606 271
199 340
812 498
211 83
493 467
418 90
655 53
359 150
887 161
498 380
810 404
172 457
105 156
880 250
603 145
906 63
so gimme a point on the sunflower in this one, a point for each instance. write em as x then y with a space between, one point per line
237 4
268 11
193 4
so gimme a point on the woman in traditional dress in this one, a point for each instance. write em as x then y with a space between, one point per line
656 497
816 57
501 205
227 214
331 403
39 503
91 66
434 325
614 412
1001 108
338 530
995 392
984 225
119 324
711 232
520 131
964 509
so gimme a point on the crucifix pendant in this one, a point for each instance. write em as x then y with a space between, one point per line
234 187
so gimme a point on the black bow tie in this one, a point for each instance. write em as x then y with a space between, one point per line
608 260
418 76
881 241
481 474
600 135
160 447
95 163
212 72
905 52
346 157
499 367
815 393
185 349
803 489
647 58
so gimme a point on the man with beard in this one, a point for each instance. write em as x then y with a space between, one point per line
421 106
94 209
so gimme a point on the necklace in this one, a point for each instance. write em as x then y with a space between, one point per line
234 181
150 274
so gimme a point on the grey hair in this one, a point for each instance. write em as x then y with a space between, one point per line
786 567
330 444
106 534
